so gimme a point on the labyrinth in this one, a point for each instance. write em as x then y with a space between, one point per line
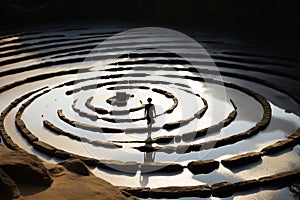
226 125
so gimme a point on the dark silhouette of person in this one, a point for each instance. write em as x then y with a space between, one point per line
149 157
150 113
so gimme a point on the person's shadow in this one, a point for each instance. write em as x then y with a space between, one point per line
148 158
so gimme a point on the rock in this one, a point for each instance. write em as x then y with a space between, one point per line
26 133
8 187
182 149
56 170
176 124
149 167
246 185
200 113
20 169
295 136
104 144
230 118
62 154
196 147
91 107
138 192
279 146
24 167
44 147
222 189
59 131
163 139
172 108
7 139
128 167
203 166
281 180
147 148
88 161
240 160
167 149
160 91
201 191
232 139
76 166
169 95
172 125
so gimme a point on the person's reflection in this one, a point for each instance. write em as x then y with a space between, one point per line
148 158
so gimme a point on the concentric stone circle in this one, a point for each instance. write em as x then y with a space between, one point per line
57 102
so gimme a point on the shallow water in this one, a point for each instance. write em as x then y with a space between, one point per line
249 112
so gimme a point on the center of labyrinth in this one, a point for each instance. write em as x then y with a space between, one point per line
213 135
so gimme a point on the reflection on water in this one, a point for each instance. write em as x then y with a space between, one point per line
149 157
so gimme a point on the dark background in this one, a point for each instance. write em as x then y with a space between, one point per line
275 16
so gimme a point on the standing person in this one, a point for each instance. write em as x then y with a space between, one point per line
150 113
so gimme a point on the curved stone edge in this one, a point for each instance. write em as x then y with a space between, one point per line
212 129
221 189
20 125
201 112
173 125
5 136
247 158
81 113
242 159
87 126
289 142
169 192
59 131
123 87
150 167
93 108
202 166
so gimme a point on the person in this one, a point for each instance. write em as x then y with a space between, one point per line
150 113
